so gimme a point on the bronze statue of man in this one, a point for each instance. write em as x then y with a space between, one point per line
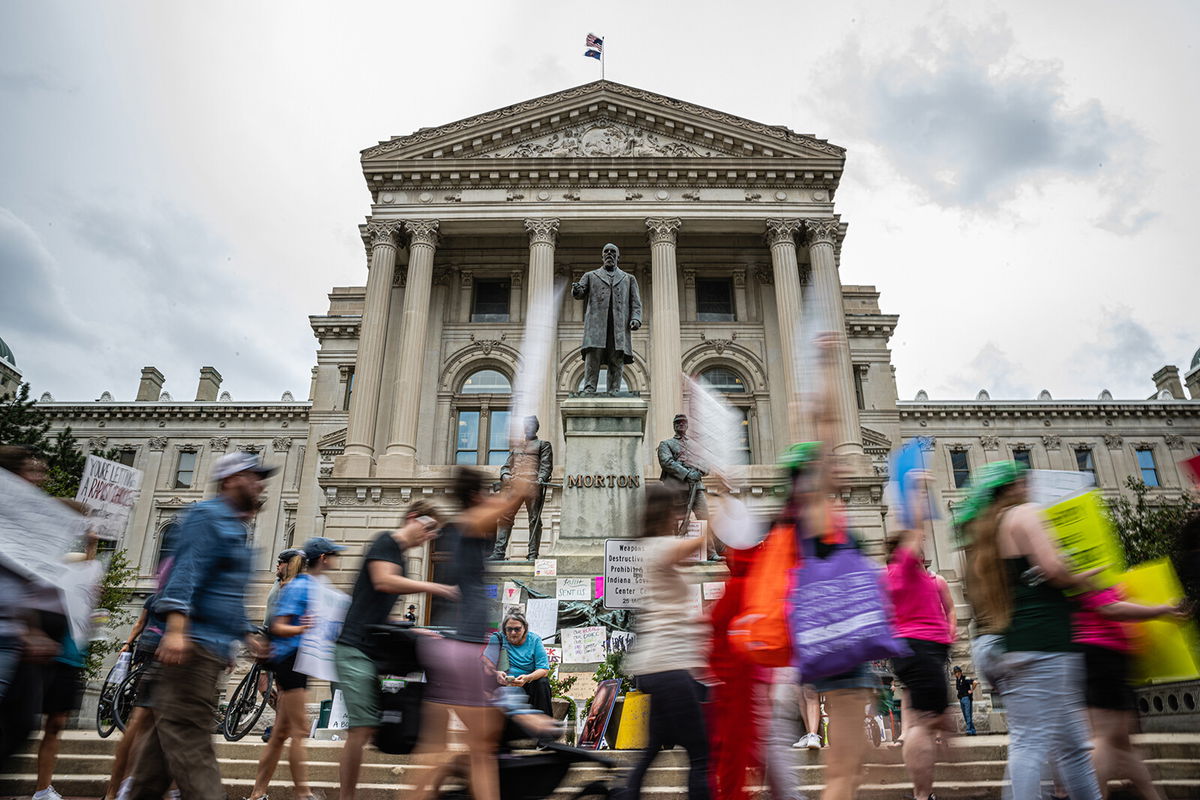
682 472
613 310
533 460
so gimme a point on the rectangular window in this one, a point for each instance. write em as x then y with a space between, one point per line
1023 456
185 474
1145 459
858 390
1085 462
349 389
466 447
960 468
490 303
714 300
497 437
742 453
126 457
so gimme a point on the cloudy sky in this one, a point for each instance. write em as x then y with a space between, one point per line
179 182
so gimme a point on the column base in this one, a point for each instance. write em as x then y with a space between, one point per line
396 465
352 465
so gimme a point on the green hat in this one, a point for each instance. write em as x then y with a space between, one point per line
990 479
799 456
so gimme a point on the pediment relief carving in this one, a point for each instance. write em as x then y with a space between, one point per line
602 138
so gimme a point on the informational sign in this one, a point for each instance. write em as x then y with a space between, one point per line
511 594
545 567
574 589
584 645
714 590
542 613
1166 648
624 584
1086 537
328 606
109 490
1046 487
36 530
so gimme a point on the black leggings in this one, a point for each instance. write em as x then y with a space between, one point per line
676 717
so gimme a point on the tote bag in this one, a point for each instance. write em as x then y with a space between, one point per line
840 614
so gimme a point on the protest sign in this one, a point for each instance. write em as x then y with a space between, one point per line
1047 487
1086 537
553 655
511 594
621 641
328 606
109 490
624 584
339 717
574 588
584 645
36 530
1167 649
542 614
545 567
714 590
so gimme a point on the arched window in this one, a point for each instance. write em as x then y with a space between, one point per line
733 386
481 418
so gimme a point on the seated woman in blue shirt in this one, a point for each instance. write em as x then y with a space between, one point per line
528 664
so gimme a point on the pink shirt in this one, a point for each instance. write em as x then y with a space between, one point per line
916 599
1091 628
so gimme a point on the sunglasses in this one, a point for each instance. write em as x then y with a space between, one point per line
513 630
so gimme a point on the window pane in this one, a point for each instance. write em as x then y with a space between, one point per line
1023 457
714 300
497 437
349 391
743 453
186 472
491 300
126 457
1145 460
487 381
466 448
723 379
1085 462
602 382
961 467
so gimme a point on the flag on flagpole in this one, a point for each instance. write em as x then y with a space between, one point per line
595 47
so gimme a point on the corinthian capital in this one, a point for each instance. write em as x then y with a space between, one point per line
542 231
822 231
422 231
782 231
661 230
381 232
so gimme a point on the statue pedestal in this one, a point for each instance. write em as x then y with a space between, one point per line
602 472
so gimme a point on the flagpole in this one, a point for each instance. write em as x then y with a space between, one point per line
601 62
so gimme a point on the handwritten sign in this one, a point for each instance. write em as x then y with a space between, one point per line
621 641
545 567
624 583
339 717
109 490
512 594
574 588
315 655
584 645
542 614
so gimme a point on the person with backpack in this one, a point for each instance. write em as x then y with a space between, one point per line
291 618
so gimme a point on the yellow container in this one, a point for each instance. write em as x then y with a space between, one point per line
634 732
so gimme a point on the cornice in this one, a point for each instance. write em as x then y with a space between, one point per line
339 327
866 325
1041 409
175 411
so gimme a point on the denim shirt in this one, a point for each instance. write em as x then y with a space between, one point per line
209 577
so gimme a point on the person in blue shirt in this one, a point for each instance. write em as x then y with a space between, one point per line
204 605
291 618
528 664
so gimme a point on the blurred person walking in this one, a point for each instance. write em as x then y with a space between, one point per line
203 603
291 618
810 717
669 647
288 564
380 582
964 687
1023 644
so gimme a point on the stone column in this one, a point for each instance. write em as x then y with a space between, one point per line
827 288
401 457
781 237
543 234
665 389
368 366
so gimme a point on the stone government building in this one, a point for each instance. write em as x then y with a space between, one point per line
731 229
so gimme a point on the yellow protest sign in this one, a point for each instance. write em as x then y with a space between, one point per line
1166 648
1086 536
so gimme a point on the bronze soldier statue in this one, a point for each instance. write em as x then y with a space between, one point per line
613 309
682 472
533 460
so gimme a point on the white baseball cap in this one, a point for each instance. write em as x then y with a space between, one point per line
233 463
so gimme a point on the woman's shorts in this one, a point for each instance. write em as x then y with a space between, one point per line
861 677
454 672
924 675
1107 684
286 677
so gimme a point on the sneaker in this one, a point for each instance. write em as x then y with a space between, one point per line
801 743
266 734
47 794
814 741
173 794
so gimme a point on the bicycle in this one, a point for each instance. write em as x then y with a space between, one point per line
106 721
247 703
126 693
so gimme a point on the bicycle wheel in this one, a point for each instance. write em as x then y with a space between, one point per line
246 705
123 697
106 721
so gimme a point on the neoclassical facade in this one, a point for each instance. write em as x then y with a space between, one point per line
730 227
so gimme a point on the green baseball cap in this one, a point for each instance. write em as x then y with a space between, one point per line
799 456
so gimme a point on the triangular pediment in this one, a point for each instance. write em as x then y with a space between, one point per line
603 120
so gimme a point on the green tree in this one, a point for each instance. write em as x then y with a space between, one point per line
1149 526
20 422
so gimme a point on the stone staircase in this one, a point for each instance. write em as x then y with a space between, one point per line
975 770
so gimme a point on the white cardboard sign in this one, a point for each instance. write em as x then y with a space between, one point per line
542 614
584 645
315 656
574 588
109 490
